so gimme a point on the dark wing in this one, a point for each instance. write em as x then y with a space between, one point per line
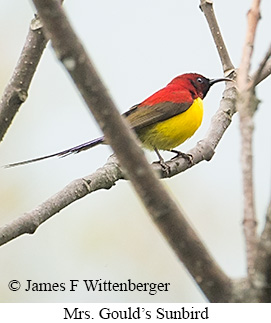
140 116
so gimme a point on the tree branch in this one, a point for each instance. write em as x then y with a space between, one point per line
246 105
253 17
164 212
263 71
103 178
16 91
207 8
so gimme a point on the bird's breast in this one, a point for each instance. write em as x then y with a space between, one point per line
170 133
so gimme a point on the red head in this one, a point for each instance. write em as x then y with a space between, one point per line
196 84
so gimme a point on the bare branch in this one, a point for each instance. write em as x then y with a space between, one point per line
16 91
246 106
103 178
263 71
248 100
253 17
207 8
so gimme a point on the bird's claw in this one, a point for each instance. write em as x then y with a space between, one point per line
165 167
188 157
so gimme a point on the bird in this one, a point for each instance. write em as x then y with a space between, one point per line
163 121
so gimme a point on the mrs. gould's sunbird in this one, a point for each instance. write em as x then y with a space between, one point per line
164 120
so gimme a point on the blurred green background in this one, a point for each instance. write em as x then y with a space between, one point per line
137 47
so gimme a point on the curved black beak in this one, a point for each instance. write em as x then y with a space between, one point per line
213 81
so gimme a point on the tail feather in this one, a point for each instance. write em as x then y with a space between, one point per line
64 153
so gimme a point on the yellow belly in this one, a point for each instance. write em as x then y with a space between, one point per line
168 134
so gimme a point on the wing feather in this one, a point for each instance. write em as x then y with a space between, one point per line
142 116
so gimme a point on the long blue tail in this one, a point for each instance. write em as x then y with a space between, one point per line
64 153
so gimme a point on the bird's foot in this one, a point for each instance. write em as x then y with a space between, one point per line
178 153
165 167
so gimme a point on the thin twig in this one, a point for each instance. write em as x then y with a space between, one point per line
16 91
246 106
265 72
261 72
207 8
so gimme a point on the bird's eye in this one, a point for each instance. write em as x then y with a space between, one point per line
199 80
